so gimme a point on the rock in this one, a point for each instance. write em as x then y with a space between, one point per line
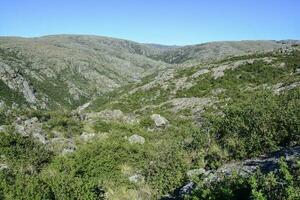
87 136
136 139
217 91
3 166
187 189
30 127
219 71
81 108
159 120
200 72
28 93
20 129
194 103
31 121
68 150
2 104
136 178
16 81
282 65
196 172
62 145
2 128
180 84
278 88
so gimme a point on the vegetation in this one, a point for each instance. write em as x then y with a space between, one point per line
247 120
276 186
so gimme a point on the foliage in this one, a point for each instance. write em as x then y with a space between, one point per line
284 185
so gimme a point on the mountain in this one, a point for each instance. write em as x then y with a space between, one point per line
89 117
68 70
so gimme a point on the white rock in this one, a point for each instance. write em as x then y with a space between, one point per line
199 73
136 139
87 136
195 172
136 178
159 120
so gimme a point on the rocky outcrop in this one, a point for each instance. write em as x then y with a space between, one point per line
278 88
200 72
31 127
15 81
265 163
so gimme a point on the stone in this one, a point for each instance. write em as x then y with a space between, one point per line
2 104
200 72
194 103
2 128
195 172
219 71
159 120
87 136
187 189
279 88
136 139
3 166
136 178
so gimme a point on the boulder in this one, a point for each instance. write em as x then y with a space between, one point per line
136 139
159 120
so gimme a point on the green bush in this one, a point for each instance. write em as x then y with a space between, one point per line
260 124
284 185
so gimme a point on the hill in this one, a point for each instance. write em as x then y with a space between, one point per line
224 127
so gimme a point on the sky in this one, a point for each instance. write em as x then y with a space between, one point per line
170 22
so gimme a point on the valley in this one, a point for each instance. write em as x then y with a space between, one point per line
90 117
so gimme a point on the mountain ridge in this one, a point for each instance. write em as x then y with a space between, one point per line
84 66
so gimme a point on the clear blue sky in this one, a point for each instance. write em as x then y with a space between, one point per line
156 21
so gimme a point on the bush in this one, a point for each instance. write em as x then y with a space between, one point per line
261 124
283 185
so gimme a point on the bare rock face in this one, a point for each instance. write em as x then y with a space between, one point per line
200 72
278 88
31 127
136 139
17 82
159 120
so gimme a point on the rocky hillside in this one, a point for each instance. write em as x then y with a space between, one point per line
163 134
68 70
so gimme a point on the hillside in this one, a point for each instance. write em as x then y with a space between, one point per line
68 70
150 121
